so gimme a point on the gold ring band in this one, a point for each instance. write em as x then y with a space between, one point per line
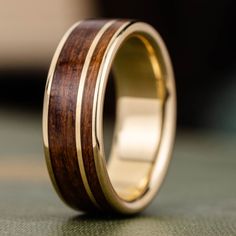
145 116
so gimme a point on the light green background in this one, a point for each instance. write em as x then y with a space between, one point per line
198 196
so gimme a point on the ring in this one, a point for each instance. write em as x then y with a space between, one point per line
144 123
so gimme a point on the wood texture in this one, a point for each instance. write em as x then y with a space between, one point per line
86 117
62 112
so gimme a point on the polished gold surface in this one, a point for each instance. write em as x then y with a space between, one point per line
145 117
138 117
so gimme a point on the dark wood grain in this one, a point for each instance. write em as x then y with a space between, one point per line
62 112
86 115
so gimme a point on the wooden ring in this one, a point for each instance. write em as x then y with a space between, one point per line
145 116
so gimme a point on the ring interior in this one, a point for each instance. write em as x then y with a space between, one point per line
140 97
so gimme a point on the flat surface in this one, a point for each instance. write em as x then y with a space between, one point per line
198 196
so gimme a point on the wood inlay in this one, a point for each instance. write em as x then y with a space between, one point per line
69 113
86 114
62 115
62 111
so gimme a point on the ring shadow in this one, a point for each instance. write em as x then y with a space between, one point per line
95 224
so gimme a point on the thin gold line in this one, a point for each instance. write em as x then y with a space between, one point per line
46 106
97 158
78 110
